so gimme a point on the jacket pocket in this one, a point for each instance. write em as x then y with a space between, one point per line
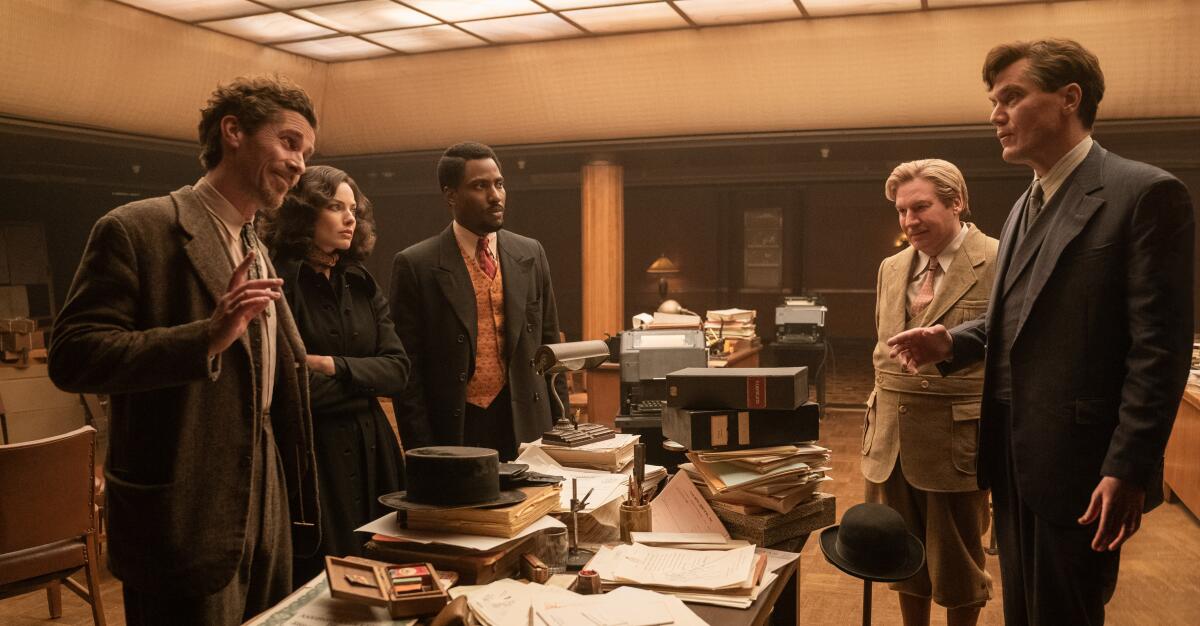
964 435
1095 411
868 424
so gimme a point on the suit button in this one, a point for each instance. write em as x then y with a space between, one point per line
529 328
879 378
903 409
924 384
537 397
462 378
457 412
530 362
462 338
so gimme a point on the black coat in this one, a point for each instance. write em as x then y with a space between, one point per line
1102 350
358 458
435 318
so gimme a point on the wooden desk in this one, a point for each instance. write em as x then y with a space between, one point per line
1181 474
604 384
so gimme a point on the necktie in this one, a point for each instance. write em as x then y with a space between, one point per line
925 293
483 256
1034 206
254 329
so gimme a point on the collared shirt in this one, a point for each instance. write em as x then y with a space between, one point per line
1058 174
944 259
468 241
228 222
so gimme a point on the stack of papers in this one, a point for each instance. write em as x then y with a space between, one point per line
511 603
389 526
776 479
725 577
609 455
730 323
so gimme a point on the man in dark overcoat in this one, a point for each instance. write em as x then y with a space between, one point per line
472 304
1086 342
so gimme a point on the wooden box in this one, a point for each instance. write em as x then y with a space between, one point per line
428 600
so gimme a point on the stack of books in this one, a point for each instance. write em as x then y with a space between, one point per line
759 479
505 521
750 433
610 455
730 324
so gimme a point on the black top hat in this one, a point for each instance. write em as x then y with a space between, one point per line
872 543
451 477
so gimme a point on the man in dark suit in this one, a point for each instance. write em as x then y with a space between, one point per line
1086 341
472 304
176 311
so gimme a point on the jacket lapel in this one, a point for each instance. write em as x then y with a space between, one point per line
893 306
960 279
204 247
516 268
455 282
1074 212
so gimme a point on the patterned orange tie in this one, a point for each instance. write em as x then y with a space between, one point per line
925 294
483 256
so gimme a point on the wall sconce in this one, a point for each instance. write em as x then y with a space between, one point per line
661 267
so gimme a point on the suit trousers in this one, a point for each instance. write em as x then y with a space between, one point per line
492 427
1049 572
264 576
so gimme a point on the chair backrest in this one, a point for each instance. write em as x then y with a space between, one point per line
46 490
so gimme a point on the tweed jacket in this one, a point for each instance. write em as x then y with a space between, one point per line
135 325
1101 352
434 307
926 422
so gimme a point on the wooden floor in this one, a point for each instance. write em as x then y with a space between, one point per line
1160 567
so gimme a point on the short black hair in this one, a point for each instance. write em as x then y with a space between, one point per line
1053 64
453 164
288 230
253 100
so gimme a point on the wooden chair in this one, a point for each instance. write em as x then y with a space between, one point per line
48 519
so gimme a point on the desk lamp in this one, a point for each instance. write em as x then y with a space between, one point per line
556 358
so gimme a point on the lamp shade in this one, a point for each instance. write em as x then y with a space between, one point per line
662 265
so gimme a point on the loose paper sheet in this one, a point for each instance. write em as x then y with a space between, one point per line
681 509
605 486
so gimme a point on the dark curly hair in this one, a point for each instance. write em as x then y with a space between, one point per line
253 100
288 230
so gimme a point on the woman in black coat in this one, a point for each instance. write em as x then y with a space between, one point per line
318 239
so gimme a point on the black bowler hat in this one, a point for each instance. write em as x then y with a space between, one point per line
872 543
451 477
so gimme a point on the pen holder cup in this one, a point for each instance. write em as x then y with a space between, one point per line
634 519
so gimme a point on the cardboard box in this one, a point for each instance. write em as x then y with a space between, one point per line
734 429
738 388
368 582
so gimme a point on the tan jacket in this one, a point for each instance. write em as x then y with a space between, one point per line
929 422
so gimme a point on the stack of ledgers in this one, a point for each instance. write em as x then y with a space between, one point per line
756 480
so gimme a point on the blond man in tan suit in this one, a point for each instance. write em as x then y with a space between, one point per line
920 432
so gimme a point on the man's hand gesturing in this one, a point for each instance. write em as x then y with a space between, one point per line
242 302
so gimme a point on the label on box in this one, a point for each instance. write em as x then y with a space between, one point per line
719 427
756 392
743 428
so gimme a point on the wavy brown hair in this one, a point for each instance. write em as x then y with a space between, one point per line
254 100
288 230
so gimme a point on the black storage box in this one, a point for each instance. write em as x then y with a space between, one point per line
733 429
738 388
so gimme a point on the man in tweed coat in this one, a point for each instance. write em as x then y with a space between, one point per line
176 312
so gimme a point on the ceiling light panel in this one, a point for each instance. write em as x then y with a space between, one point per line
269 28
198 10
335 48
712 12
522 28
425 39
358 17
823 8
650 16
943 4
581 4
461 10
